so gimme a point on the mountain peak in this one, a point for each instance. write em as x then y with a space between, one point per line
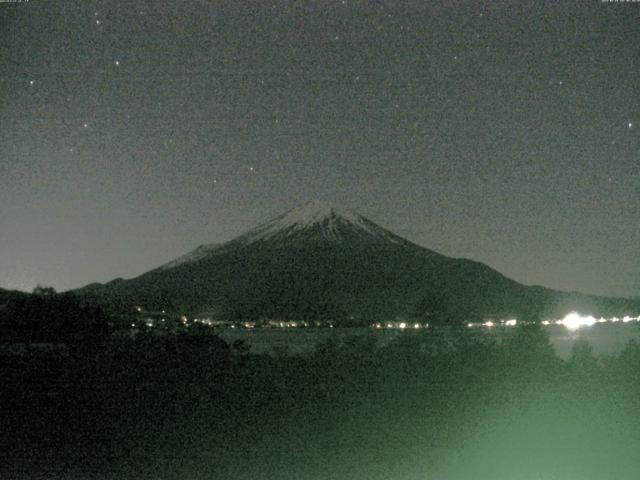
317 211
314 221
323 219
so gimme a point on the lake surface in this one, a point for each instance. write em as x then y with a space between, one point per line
604 338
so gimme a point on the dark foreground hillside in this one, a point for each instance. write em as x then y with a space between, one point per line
437 405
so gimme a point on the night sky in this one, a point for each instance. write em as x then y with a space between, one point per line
504 132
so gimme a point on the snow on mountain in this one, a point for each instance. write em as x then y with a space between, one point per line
318 219
329 220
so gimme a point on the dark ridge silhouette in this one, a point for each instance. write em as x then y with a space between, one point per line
318 262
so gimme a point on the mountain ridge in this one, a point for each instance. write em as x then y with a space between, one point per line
318 262
313 219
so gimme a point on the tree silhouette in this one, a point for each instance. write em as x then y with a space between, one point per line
44 291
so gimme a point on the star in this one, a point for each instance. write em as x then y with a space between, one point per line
630 125
32 82
97 22
117 63
86 125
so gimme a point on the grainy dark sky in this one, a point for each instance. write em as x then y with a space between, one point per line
505 132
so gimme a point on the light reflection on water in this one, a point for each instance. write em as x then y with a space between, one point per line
604 338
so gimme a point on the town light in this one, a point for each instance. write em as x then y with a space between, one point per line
574 321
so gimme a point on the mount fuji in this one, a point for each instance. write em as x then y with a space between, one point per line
321 262
315 222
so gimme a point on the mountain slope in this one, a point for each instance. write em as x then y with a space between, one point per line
319 262
314 222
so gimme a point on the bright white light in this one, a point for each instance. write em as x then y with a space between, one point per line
469 325
489 323
574 321
546 322
511 323
615 320
416 325
626 319
403 325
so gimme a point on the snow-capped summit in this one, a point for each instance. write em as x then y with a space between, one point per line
319 219
312 222
313 212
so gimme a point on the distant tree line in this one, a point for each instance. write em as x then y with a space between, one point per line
48 316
